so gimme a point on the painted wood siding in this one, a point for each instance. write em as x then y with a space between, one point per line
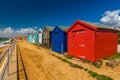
81 42
91 42
59 40
47 38
105 43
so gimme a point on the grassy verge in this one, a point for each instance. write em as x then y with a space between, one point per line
119 37
103 77
68 56
119 42
113 57
93 74
98 64
76 66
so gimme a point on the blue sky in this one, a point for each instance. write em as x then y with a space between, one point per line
25 13
19 14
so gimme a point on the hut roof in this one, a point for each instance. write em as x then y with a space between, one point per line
101 26
91 25
64 28
50 28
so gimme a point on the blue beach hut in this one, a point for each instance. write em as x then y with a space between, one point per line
59 39
29 40
30 37
33 38
36 37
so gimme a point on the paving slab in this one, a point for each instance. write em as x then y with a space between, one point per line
11 71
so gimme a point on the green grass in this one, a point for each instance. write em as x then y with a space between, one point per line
62 59
103 77
119 33
76 66
93 74
85 69
98 64
84 61
119 37
70 63
68 56
119 42
99 77
113 57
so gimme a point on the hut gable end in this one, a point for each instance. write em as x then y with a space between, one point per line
91 41
59 39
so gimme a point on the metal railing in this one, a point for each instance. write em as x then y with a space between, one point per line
4 60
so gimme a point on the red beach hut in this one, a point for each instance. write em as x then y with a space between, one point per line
91 41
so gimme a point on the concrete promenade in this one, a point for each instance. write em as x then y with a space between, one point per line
11 71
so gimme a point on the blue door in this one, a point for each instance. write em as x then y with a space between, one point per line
57 42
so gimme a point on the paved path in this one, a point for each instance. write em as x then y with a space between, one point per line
12 75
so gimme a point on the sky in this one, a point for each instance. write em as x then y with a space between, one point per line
18 17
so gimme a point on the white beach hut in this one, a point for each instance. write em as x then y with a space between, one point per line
40 36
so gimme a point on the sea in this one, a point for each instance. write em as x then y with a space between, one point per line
3 40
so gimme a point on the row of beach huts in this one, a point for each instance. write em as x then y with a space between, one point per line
85 40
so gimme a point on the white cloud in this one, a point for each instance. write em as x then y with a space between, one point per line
25 30
9 32
111 18
36 27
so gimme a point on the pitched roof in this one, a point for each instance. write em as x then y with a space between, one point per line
50 28
82 22
64 28
102 26
91 25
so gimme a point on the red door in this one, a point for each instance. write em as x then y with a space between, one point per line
74 43
79 44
